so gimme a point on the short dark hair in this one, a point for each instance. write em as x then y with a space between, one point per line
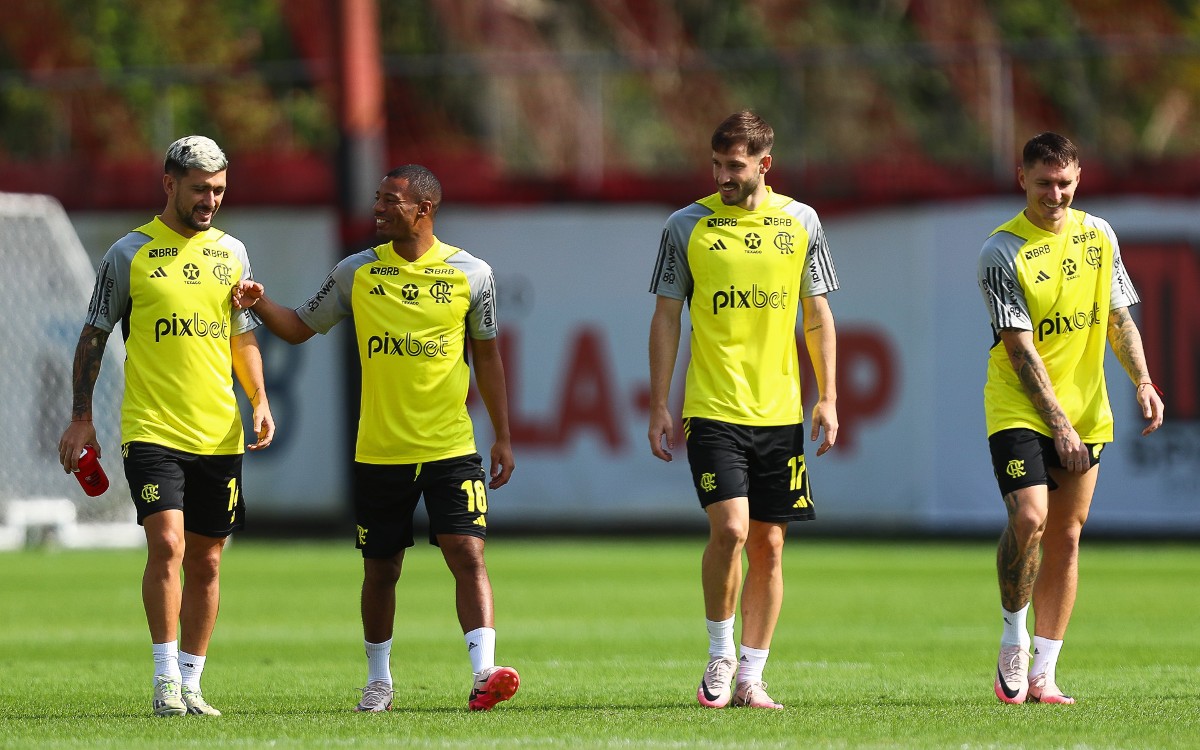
423 185
1049 148
744 127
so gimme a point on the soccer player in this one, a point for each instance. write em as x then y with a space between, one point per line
420 307
1055 288
746 260
167 283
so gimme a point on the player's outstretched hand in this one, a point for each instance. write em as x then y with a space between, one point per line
1150 399
502 464
824 417
246 292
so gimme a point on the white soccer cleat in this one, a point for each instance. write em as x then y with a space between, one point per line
196 705
754 695
1042 690
377 697
716 686
168 700
1012 674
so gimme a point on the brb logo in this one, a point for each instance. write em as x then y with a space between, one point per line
1076 321
753 298
406 346
193 326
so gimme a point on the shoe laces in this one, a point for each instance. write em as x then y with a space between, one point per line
195 696
168 688
756 689
721 670
375 692
1012 665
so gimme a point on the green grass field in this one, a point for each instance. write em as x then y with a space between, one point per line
879 645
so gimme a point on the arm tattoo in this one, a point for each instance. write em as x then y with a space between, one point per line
86 369
1033 376
1126 343
1016 568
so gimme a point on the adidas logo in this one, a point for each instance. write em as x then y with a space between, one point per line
159 273
472 646
801 503
1042 276
481 521
379 290
718 245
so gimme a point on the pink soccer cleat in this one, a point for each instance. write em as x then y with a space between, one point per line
716 686
492 686
1012 674
754 695
1042 690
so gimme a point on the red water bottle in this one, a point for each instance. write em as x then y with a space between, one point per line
90 473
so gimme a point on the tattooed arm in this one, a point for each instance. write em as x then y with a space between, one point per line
1126 343
1025 360
89 352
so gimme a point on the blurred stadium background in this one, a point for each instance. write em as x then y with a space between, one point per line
565 132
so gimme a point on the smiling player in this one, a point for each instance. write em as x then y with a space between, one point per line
1055 290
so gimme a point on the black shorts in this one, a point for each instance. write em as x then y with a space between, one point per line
455 491
208 489
1021 456
763 464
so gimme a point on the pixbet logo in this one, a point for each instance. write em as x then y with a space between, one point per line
1075 321
753 297
406 346
193 326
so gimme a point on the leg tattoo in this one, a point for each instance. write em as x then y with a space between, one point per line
1017 568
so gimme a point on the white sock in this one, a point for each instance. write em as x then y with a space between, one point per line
191 667
1045 657
481 648
751 664
1016 632
720 638
379 658
166 659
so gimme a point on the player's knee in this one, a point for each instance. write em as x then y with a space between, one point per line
1027 526
381 571
201 568
765 553
164 547
465 559
728 537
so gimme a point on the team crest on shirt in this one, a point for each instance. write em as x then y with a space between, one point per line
1094 256
440 292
